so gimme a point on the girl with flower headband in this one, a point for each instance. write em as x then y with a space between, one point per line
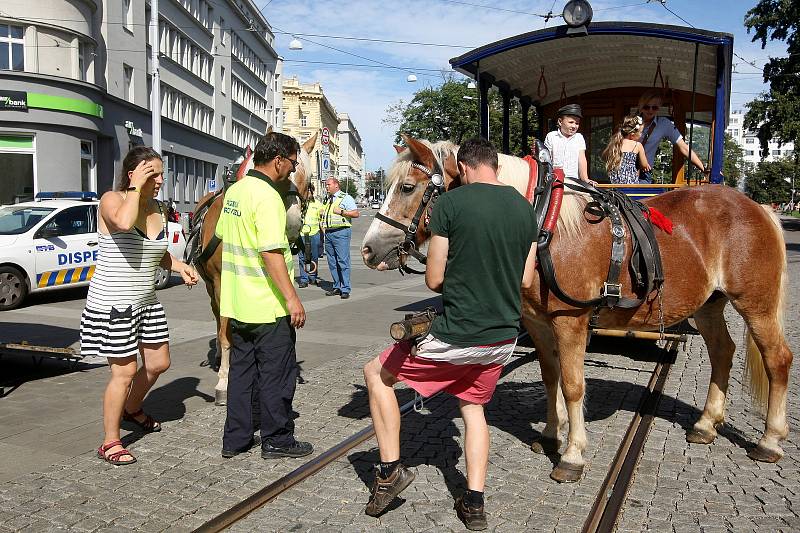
624 150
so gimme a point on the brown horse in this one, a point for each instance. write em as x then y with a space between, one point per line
211 269
724 248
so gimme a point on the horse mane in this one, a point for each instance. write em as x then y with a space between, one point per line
402 163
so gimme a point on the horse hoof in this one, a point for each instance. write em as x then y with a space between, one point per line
566 472
220 397
764 455
699 436
545 446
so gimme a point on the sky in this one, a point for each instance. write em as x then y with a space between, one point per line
456 26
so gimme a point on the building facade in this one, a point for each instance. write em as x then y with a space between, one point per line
748 141
351 155
76 91
307 111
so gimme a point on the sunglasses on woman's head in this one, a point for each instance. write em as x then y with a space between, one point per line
651 107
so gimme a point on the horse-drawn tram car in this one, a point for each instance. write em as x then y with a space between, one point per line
606 68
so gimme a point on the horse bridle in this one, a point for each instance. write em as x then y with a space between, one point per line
409 246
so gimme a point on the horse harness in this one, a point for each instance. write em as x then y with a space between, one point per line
645 264
433 190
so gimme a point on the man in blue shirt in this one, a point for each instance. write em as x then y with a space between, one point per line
340 208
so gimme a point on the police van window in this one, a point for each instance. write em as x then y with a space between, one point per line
15 220
71 221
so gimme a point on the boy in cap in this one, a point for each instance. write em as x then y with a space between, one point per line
567 146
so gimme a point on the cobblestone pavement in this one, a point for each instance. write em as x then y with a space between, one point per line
710 488
181 481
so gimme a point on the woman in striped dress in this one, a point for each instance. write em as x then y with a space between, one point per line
123 318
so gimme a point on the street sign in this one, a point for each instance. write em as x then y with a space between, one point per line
326 165
326 136
212 185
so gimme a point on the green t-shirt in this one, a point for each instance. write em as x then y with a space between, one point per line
253 220
490 230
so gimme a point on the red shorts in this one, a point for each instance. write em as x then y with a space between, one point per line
473 383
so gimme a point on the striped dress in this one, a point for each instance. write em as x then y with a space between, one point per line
122 310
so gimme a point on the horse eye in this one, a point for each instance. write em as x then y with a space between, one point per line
409 187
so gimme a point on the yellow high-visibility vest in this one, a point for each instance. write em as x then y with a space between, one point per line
333 220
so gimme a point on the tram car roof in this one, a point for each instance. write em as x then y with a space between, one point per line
610 55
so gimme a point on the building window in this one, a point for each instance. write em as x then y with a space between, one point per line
749 140
303 120
127 15
12 47
88 180
776 153
222 125
222 31
749 153
127 82
735 133
222 79
82 61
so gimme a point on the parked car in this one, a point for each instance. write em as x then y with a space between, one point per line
375 204
51 243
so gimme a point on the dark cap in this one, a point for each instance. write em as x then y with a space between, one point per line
570 109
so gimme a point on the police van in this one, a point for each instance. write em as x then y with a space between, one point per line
51 243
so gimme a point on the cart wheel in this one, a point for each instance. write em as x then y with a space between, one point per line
13 288
161 278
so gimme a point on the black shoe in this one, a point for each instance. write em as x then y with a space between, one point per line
474 518
333 292
345 295
298 449
255 441
302 284
385 490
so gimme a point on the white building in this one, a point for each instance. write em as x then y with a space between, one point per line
351 155
749 141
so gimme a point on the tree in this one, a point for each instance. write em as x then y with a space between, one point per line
768 182
443 113
776 114
734 165
349 186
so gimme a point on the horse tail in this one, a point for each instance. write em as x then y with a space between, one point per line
754 372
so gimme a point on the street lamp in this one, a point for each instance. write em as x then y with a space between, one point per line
411 78
295 44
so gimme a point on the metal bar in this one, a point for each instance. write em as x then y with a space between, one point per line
506 121
691 124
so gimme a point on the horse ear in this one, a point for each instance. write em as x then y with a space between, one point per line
269 130
399 149
452 176
308 146
421 152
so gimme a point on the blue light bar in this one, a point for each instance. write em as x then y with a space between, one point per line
67 195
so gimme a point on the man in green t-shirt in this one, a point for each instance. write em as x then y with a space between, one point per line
258 297
482 250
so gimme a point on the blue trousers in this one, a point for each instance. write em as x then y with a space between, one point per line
337 248
305 277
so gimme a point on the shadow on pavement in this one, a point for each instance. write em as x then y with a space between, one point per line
791 224
421 305
166 403
56 296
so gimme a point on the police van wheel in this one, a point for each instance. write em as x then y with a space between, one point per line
13 288
161 278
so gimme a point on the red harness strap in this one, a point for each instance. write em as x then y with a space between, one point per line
533 177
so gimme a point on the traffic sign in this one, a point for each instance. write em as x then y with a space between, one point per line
325 165
326 136
212 185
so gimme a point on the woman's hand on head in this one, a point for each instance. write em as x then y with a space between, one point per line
143 171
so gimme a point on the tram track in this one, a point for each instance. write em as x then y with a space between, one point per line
608 502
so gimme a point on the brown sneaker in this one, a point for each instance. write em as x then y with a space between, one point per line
473 517
386 490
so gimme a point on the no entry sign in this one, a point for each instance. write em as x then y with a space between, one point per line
326 136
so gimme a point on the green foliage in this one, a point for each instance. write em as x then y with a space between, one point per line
349 186
442 113
734 165
776 114
768 183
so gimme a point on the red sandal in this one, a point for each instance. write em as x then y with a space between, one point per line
149 425
114 458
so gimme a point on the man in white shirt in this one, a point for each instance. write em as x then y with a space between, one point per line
567 146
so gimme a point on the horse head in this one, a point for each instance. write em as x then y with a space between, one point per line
409 177
293 190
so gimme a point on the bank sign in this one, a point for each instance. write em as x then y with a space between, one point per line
14 100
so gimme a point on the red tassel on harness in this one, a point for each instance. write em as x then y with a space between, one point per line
658 219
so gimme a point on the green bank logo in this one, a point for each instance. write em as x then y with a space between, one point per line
13 100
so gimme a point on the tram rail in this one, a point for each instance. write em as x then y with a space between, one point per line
608 501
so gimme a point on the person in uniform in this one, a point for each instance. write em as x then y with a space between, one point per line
310 232
481 251
259 298
340 208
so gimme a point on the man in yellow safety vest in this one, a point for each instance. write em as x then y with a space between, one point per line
340 208
310 232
